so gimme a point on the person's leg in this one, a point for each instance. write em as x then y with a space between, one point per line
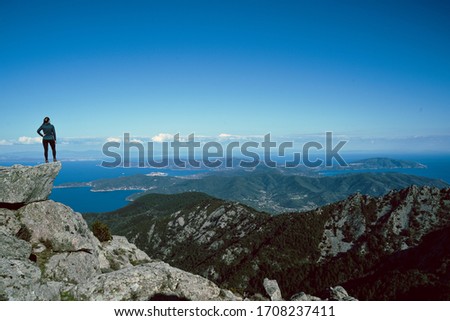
45 144
53 146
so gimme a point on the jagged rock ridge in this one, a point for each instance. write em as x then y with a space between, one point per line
342 243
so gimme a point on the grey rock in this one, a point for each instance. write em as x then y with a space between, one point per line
227 295
75 267
47 291
13 248
302 296
257 297
272 289
402 217
345 226
9 221
119 254
338 293
58 226
25 184
21 281
144 282
208 227
17 278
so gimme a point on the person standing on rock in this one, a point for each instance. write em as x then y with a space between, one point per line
48 138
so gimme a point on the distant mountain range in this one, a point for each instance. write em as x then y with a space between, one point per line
393 247
382 163
269 191
374 163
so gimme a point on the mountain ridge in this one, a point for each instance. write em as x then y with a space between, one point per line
383 163
234 245
271 192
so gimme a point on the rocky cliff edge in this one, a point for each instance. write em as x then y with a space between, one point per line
47 252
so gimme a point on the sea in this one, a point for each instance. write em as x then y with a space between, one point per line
82 200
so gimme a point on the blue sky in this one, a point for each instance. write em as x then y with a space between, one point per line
370 70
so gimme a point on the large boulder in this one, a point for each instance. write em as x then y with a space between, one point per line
149 281
72 267
21 280
13 248
338 293
9 221
302 296
57 226
24 184
272 289
65 248
119 254
17 277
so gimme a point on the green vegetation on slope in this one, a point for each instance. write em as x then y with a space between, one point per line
237 246
274 192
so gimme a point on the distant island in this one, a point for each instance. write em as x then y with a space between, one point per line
381 163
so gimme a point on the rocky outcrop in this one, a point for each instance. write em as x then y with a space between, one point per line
13 248
338 293
302 296
272 289
148 281
48 252
208 233
23 184
22 280
400 218
120 254
57 226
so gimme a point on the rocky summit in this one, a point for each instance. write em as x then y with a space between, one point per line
23 184
47 252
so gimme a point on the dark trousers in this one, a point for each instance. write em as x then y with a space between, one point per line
46 142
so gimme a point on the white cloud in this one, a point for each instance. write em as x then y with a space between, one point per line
113 140
4 142
29 140
162 137
225 135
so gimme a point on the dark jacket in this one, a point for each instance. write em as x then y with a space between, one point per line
49 131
